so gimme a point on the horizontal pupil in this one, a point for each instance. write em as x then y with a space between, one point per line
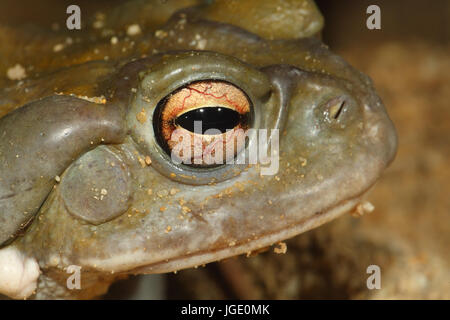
219 118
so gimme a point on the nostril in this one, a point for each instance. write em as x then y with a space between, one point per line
335 107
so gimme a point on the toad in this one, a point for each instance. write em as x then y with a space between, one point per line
88 177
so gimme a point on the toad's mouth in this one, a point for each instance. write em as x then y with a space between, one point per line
203 257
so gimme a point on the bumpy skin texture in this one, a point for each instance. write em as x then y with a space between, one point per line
292 79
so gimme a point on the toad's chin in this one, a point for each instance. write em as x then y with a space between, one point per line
203 257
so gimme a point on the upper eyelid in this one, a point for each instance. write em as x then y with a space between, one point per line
228 95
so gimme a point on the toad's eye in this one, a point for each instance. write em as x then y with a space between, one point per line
203 123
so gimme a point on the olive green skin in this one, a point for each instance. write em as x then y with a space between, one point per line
325 164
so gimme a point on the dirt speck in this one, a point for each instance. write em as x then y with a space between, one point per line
133 30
